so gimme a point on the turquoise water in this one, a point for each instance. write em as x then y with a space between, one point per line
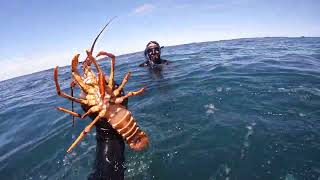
237 109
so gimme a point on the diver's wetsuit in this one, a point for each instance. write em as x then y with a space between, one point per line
149 63
109 161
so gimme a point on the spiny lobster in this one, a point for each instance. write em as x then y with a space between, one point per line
103 97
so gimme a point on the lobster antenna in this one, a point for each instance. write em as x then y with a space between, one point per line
72 107
95 40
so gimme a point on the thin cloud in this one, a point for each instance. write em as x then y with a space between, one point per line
225 5
217 5
143 9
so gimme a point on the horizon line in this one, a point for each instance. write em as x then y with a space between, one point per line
195 42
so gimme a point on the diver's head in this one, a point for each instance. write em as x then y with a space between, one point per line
152 52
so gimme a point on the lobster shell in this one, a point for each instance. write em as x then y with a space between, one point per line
122 121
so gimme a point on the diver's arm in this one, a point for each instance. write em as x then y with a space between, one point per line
144 64
166 62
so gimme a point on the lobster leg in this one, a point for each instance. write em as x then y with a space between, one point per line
62 94
76 75
79 80
113 61
84 132
119 100
101 76
69 112
90 111
123 83
101 85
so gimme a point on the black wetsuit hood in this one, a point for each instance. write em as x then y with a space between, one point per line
157 61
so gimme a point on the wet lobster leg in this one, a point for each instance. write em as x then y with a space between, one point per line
69 112
85 131
123 83
119 100
93 109
113 60
62 94
76 75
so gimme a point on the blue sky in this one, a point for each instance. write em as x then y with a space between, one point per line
40 34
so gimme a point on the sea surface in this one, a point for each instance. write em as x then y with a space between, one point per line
236 109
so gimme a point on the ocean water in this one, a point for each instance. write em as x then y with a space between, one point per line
236 109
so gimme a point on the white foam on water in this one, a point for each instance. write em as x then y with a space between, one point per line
223 171
74 153
227 169
246 143
43 177
83 144
282 90
137 164
290 177
210 108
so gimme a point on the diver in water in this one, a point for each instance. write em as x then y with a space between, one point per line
152 53
109 160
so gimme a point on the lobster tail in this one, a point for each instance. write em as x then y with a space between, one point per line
126 126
